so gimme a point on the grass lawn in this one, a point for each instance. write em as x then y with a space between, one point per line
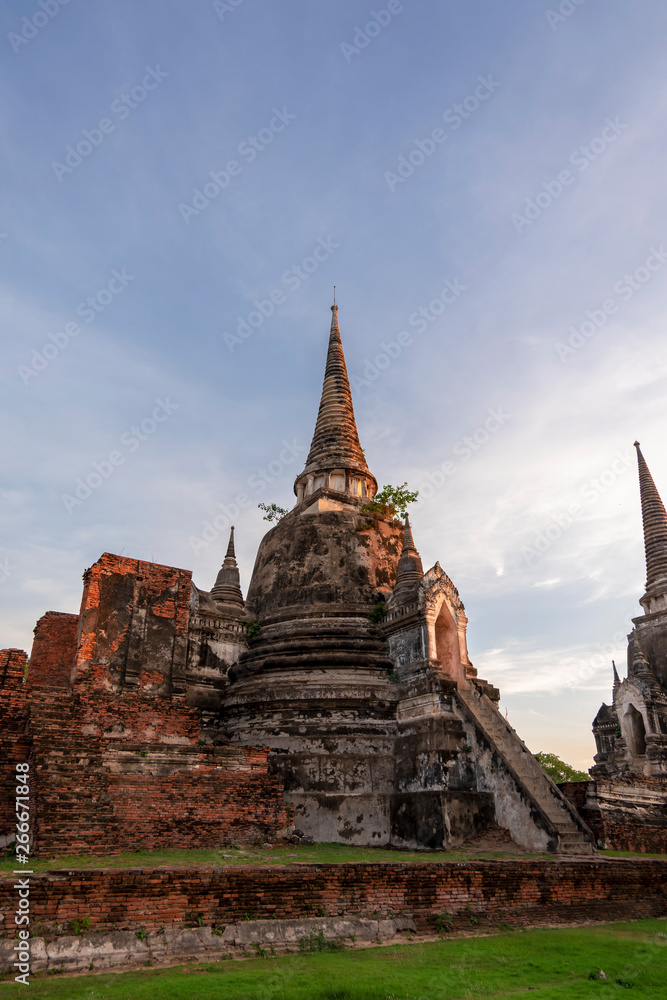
279 855
540 964
630 854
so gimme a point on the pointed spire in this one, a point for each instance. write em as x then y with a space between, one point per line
408 542
230 548
410 569
227 590
335 441
654 519
617 679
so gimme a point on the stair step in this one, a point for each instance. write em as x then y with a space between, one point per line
571 839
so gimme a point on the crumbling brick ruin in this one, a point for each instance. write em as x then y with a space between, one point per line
107 720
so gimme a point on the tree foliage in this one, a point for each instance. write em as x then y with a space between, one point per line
273 511
558 770
391 501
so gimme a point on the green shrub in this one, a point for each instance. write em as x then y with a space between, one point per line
316 941
391 501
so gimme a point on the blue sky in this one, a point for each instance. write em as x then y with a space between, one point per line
540 200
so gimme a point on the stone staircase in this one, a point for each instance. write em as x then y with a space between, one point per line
568 830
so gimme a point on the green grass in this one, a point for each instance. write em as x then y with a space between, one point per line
280 855
538 964
634 854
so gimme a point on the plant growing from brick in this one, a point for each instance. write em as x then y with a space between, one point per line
444 922
273 511
391 501
252 629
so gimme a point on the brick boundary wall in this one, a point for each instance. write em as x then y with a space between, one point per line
493 892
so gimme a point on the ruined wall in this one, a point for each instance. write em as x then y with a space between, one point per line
127 773
14 744
117 761
134 627
625 815
53 651
346 897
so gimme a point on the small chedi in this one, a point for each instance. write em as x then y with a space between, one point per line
335 702
626 802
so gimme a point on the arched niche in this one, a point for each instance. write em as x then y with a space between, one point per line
444 639
447 643
635 731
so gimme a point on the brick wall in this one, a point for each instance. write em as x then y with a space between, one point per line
576 792
625 814
114 749
134 627
53 651
126 773
643 839
14 744
493 892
